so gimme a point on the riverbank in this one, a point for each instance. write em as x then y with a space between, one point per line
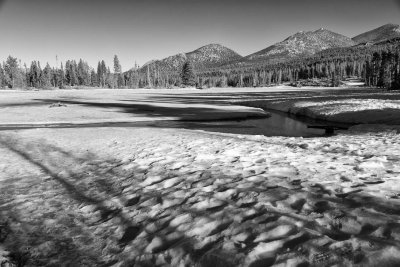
341 105
351 106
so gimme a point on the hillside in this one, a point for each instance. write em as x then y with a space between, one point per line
208 56
301 44
321 54
380 34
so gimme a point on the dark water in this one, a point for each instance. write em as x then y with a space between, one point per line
279 124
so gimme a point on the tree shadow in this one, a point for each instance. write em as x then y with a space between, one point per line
180 112
132 220
95 194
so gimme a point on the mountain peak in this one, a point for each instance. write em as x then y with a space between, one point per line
212 55
391 25
302 43
382 33
207 56
212 45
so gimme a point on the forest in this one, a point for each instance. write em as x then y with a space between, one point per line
376 65
73 74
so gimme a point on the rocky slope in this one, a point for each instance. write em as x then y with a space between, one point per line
301 44
207 56
380 34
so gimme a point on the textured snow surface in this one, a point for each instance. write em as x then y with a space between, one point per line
135 196
350 105
142 196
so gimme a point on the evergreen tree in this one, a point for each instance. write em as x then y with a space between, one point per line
396 83
120 80
99 75
103 71
45 78
109 78
11 71
62 77
187 75
117 65
2 81
82 73
74 73
68 72
34 75
148 78
279 79
93 79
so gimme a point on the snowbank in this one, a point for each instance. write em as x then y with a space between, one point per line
352 106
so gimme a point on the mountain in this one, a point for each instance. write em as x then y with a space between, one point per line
303 43
380 34
208 56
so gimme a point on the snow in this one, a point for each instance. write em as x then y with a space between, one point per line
278 232
334 107
102 106
248 207
132 194
343 105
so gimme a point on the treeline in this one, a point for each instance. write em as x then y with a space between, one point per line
376 65
80 74
71 74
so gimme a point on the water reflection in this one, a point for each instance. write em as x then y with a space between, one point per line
279 124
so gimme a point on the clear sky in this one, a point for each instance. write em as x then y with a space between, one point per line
141 30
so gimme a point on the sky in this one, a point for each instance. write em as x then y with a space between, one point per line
142 30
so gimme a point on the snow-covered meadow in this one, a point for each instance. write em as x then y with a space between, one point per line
152 196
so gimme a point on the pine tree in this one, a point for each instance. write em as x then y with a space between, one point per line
62 77
82 75
279 79
34 75
99 75
120 80
117 73
148 78
46 76
1 76
68 72
396 83
11 71
187 75
117 65
93 78
103 72
74 73
109 78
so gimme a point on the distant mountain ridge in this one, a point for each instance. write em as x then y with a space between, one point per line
385 32
303 43
208 56
300 44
